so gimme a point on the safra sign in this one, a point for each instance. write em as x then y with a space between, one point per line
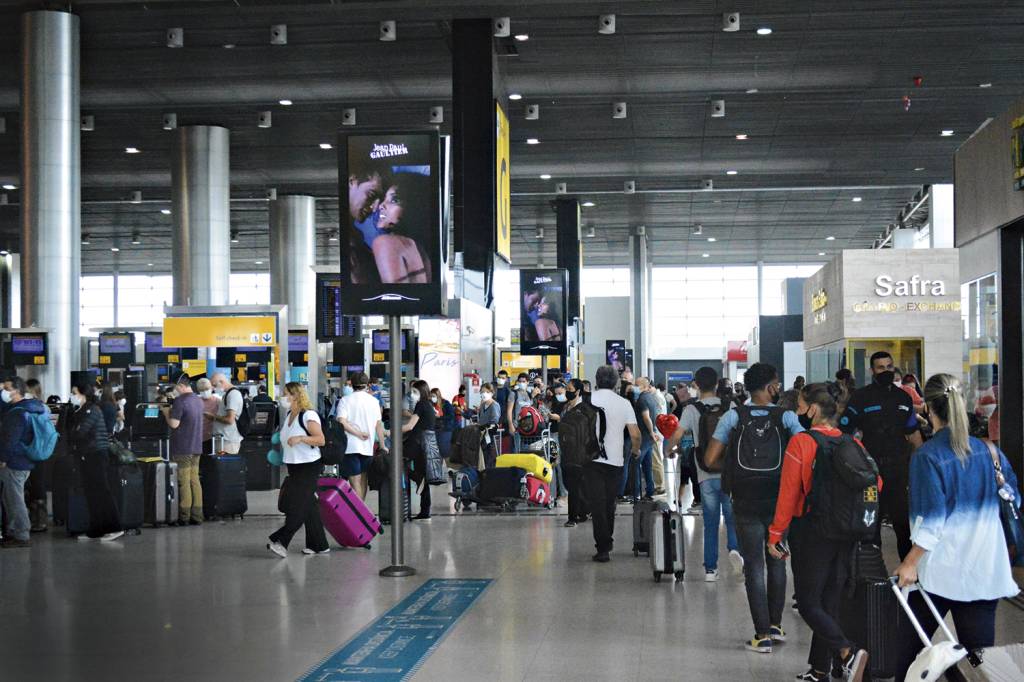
885 286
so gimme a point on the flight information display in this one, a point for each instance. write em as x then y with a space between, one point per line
330 323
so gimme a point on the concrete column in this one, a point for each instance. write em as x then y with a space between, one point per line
200 201
10 290
51 220
639 301
292 235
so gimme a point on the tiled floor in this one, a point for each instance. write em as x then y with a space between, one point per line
210 603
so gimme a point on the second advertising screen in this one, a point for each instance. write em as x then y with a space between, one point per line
542 313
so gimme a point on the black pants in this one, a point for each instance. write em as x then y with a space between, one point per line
820 570
425 500
692 475
975 623
602 484
894 505
303 509
103 515
578 508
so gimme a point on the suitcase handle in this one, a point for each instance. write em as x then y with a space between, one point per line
901 595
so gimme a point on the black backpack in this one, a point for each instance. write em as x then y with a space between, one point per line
332 452
753 466
245 419
581 433
710 415
843 502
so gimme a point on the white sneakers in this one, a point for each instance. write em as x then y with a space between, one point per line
710 576
278 549
737 560
309 552
109 537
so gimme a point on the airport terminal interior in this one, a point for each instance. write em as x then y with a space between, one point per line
651 340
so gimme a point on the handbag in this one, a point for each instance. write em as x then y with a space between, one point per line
432 455
1009 512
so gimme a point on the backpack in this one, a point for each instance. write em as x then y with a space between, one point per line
710 415
245 419
41 436
843 502
581 433
529 422
332 452
753 467
465 448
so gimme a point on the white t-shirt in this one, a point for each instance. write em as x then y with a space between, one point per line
362 411
618 413
301 453
232 400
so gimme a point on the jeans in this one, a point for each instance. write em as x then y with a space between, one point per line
601 481
642 467
303 509
13 483
975 623
766 599
820 571
716 504
190 491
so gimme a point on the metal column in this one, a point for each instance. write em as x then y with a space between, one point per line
397 569
639 302
292 234
200 200
51 217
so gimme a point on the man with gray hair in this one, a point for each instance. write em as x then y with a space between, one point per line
225 421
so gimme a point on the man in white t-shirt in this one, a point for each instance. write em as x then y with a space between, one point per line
360 416
603 476
225 422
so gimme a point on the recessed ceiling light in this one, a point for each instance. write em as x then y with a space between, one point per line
948 133
532 140
857 200
259 262
918 169
764 31
149 265
705 255
741 136
752 91
985 85
325 145
333 238
830 238
9 186
522 37
821 253
284 102
732 172
515 97
131 150
229 46
712 239
545 176
136 239
165 211
588 204
114 249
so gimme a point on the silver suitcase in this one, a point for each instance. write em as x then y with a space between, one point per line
666 531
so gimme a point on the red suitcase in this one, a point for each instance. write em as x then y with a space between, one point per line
538 492
345 516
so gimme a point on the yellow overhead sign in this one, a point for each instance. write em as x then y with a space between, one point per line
503 187
220 332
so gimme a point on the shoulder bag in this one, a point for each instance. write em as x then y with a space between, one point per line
1009 511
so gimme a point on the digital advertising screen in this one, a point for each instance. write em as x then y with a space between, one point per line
331 324
390 208
155 343
542 324
615 353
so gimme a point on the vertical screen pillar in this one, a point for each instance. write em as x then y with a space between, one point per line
1011 347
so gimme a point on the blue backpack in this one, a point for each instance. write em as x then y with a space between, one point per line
41 436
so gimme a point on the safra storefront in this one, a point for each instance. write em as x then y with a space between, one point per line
904 301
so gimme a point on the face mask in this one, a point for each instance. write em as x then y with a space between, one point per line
285 402
560 397
805 421
571 396
636 390
501 381
462 393
522 384
5 395
121 403
885 378
433 399
174 394
485 396
348 390
206 394
414 396
219 392
77 400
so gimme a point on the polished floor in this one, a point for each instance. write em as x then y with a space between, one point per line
210 603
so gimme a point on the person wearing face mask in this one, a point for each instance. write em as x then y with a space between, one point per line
225 422
555 405
883 414
520 397
185 417
489 417
211 405
502 391
461 406
360 415
90 442
821 561
422 419
573 475
444 412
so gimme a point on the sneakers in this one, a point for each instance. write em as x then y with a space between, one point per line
278 549
711 575
854 665
759 645
110 537
14 543
777 633
695 509
602 557
570 524
312 552
737 560
85 538
812 676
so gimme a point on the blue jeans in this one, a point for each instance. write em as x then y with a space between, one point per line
13 483
716 504
766 598
643 466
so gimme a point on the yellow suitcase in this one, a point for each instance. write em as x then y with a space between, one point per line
533 464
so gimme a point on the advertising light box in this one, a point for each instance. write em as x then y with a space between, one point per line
542 312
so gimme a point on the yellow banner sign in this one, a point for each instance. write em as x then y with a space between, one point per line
220 332
511 360
503 188
193 367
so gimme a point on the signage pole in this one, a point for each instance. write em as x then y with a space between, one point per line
397 569
544 368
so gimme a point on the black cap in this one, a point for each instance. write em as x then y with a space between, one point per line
182 379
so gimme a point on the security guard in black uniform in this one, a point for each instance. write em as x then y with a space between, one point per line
884 415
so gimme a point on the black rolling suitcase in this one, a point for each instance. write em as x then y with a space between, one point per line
229 487
502 485
869 612
127 487
69 506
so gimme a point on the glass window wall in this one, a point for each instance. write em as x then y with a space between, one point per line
980 315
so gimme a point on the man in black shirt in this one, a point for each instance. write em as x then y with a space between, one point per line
884 414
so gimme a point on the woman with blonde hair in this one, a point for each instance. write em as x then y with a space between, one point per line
301 439
959 555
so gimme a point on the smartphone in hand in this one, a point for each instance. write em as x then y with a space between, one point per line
783 548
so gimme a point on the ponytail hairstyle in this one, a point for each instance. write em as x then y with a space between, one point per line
944 395
828 396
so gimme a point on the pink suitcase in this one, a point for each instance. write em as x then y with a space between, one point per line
538 492
345 516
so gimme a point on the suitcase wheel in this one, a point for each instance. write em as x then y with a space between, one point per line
679 576
657 577
458 504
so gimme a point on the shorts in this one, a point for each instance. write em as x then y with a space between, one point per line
355 464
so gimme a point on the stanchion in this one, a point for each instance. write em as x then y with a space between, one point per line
397 569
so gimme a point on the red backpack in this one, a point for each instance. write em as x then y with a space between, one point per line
530 421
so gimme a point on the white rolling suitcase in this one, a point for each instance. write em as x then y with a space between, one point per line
667 536
935 659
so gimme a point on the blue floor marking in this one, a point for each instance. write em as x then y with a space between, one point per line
393 647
